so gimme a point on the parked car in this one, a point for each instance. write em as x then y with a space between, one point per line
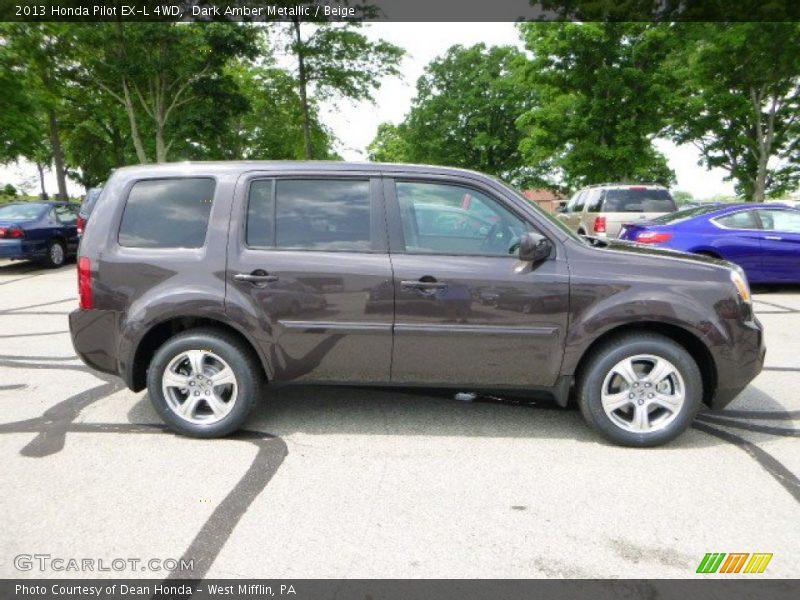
600 210
180 264
87 206
763 239
45 231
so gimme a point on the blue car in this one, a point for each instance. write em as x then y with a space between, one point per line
763 239
45 231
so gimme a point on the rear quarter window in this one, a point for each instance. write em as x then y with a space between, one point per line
167 213
639 200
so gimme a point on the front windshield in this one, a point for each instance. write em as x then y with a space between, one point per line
20 212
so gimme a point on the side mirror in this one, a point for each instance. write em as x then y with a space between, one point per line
534 247
562 207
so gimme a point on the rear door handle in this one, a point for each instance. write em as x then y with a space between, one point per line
423 285
256 277
777 238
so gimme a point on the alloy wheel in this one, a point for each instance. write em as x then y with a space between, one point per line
199 387
643 393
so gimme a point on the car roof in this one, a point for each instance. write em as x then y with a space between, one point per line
234 166
625 186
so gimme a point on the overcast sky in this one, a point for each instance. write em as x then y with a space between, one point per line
355 124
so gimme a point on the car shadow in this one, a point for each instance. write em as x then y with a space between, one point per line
341 410
24 267
776 288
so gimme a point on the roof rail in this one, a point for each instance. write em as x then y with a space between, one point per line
593 185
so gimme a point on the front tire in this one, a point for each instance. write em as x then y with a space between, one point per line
204 383
640 389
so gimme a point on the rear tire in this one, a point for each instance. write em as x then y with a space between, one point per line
204 383
640 389
56 255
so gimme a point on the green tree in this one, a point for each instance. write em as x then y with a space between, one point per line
465 113
273 126
682 197
738 101
390 144
336 60
601 90
34 62
163 74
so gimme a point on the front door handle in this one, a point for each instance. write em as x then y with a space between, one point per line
256 277
776 238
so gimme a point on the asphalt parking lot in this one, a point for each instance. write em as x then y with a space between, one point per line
374 484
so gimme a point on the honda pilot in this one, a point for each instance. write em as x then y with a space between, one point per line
209 283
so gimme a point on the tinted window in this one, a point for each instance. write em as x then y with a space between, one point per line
449 219
167 213
745 219
638 200
261 214
780 220
323 214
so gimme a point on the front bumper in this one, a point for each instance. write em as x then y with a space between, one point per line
94 338
740 363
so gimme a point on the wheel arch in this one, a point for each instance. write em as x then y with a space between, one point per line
696 348
159 333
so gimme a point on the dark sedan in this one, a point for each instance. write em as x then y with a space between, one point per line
763 239
45 231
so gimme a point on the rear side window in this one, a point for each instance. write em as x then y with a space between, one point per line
167 213
66 215
745 219
322 214
639 200
593 198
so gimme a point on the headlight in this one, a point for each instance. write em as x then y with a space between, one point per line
740 281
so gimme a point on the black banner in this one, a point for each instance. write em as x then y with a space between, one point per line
429 589
399 10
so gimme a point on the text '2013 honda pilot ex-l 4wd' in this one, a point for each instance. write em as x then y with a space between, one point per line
205 282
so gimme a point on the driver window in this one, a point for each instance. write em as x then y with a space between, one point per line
455 220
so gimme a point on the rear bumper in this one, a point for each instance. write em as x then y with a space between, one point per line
740 363
94 338
19 249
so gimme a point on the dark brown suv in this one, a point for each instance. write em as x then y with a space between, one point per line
204 282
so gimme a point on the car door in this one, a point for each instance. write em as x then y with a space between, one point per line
780 243
309 272
468 313
738 238
67 218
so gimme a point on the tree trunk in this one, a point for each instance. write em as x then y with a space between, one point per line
301 73
119 146
765 138
40 168
58 154
161 148
137 139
